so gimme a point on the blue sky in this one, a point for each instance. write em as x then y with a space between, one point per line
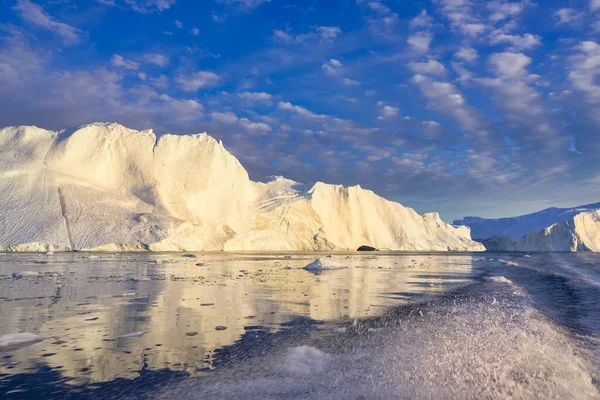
465 107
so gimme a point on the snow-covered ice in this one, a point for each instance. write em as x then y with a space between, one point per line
554 229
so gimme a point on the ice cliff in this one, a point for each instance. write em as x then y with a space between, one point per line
107 187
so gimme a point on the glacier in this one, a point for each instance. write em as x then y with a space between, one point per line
553 229
104 187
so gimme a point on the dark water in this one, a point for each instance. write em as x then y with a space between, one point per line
258 326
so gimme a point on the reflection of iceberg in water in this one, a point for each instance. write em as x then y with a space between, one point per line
84 309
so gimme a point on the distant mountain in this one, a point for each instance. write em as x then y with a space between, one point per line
553 229
106 187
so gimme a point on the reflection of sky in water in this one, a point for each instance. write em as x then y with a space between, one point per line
88 302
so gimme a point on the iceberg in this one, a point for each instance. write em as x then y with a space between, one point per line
104 187
554 229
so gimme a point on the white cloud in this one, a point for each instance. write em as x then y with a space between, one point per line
157 59
149 6
420 41
244 5
467 54
583 74
423 20
255 96
473 30
195 31
120 62
501 10
331 67
350 82
595 5
198 80
320 33
142 76
224 118
464 74
35 15
446 98
431 67
178 24
287 106
254 126
185 110
568 15
527 41
387 111
509 65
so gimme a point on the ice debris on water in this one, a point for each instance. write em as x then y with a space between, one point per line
132 334
24 274
16 340
323 264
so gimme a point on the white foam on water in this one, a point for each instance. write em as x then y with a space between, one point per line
464 349
305 360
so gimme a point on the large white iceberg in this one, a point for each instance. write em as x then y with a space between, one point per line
109 188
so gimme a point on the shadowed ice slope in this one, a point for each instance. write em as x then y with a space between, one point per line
106 187
553 229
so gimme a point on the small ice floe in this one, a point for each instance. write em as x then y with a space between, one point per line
49 253
506 262
16 340
321 264
93 257
24 274
132 334
305 360
527 255
499 279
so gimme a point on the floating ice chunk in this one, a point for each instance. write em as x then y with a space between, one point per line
49 253
16 340
499 279
132 334
305 360
24 274
321 264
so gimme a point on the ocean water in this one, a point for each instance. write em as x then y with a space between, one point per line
258 326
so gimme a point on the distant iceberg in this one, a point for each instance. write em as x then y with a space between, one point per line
554 229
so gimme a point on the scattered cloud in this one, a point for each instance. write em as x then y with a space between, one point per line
467 54
197 80
431 67
35 15
120 62
420 41
568 15
319 33
517 42
157 59
149 6
224 117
